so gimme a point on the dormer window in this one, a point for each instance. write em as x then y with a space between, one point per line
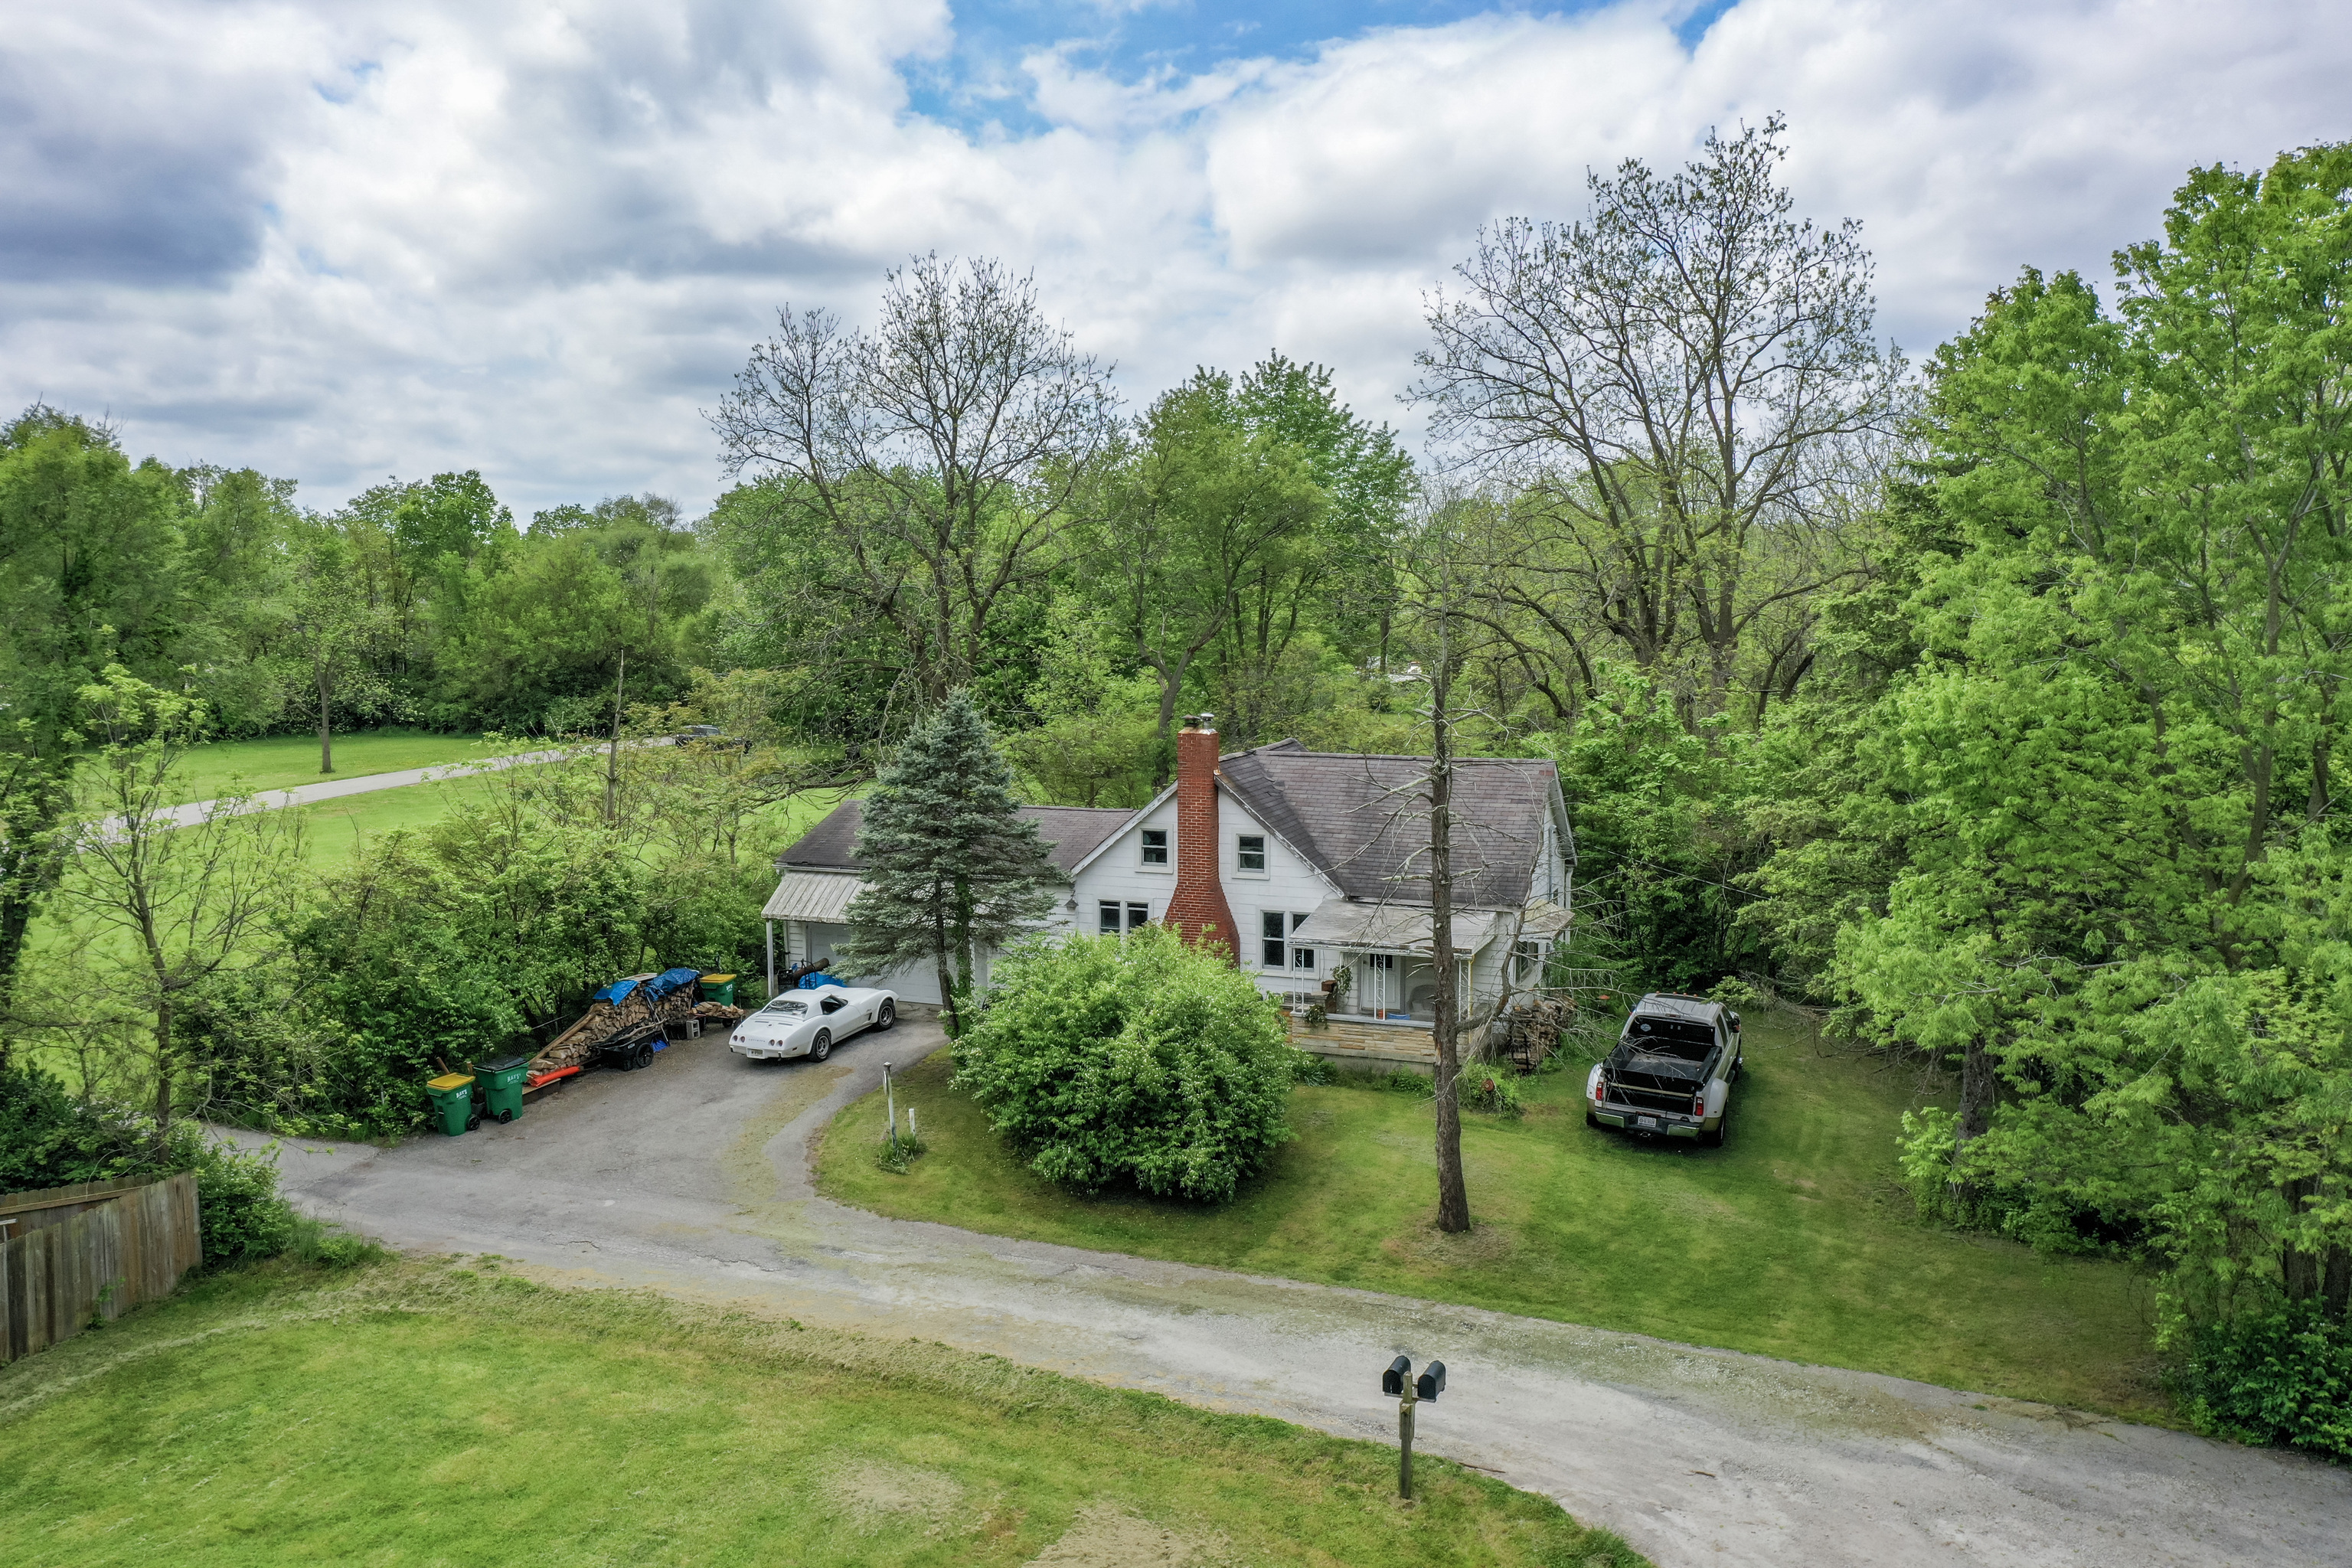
1249 854
1155 848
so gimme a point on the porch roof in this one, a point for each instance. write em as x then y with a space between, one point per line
822 896
1390 928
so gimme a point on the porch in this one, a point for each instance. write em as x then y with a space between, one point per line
1378 1044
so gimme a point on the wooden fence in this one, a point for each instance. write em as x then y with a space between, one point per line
91 1251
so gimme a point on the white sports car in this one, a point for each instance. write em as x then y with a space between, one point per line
809 1023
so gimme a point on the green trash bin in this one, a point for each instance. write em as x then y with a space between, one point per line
453 1102
719 988
501 1080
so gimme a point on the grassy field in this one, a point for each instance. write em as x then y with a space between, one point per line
434 1413
1793 1241
281 762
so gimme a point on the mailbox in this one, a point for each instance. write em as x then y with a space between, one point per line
1393 1379
1433 1382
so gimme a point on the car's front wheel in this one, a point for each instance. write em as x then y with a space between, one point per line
887 1016
822 1047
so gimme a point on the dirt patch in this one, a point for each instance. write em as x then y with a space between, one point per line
1479 1247
1108 1536
874 1494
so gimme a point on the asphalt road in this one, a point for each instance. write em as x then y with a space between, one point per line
692 1177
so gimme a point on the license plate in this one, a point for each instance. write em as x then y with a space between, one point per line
1649 1124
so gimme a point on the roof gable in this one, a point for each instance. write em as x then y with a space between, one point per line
1364 819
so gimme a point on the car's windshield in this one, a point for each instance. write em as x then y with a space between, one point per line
785 1005
1670 1038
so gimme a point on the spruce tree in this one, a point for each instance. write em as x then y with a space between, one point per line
948 862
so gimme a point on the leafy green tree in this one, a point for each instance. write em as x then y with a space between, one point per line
949 864
91 573
2123 911
1142 1060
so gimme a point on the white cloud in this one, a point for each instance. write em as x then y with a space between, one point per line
537 239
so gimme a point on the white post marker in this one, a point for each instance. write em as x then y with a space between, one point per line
891 1105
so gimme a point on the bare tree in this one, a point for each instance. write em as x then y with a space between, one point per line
1683 395
926 467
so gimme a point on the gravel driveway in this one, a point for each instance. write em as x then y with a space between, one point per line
692 1178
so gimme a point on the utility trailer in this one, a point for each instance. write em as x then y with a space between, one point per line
627 1023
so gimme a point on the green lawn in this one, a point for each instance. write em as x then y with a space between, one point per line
281 762
433 1414
335 828
1795 1241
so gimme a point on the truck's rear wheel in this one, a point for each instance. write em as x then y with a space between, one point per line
822 1047
1722 1130
1591 1120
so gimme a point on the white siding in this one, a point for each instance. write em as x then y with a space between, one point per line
1289 886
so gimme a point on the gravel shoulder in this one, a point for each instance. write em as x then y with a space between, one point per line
693 1178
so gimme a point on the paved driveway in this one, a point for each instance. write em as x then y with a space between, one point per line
691 1177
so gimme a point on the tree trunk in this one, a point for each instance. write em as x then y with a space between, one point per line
1979 1087
2299 1271
162 1071
326 729
2335 1282
1453 1197
613 752
946 979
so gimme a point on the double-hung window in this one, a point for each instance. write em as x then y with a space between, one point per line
1276 951
1155 848
1249 854
1108 913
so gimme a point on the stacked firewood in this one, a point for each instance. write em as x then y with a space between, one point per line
606 1021
1532 1027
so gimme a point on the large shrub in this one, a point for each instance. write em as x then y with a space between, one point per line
1141 1061
2284 1377
49 1139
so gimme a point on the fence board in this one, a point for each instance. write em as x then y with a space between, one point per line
117 1245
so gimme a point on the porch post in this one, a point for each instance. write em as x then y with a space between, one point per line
771 955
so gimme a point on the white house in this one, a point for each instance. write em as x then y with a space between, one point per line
1310 867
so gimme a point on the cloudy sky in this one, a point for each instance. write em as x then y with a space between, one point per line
343 241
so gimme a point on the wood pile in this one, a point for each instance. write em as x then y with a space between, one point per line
608 1021
1531 1029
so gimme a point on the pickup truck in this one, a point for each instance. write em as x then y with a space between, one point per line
1672 1072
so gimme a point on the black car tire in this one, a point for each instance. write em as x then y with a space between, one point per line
1722 1130
1591 1120
822 1047
887 1016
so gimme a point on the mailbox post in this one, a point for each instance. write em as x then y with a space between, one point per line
1398 1379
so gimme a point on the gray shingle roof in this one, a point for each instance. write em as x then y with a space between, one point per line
1365 819
1072 832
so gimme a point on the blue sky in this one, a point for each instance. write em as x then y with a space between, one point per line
537 237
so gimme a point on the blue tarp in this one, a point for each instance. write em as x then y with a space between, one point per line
815 982
656 985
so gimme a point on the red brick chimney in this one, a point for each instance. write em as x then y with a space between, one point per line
1197 909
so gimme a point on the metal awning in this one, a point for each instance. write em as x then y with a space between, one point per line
821 896
1389 928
